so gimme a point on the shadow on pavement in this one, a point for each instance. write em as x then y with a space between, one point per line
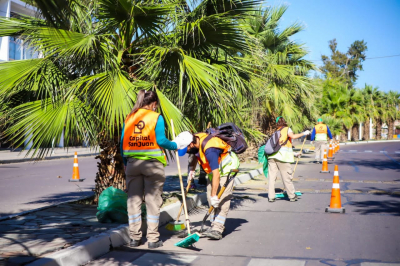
376 164
389 207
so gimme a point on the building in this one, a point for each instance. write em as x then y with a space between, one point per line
12 48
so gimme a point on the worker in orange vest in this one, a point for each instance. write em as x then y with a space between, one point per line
142 143
215 157
319 135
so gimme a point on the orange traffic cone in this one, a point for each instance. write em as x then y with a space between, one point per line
325 164
336 204
330 153
75 170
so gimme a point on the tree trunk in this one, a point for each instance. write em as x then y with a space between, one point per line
378 129
366 130
110 168
390 129
354 132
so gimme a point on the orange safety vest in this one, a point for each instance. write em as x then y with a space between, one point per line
321 132
140 137
214 142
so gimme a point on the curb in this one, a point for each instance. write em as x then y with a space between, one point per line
368 141
94 247
246 177
10 161
97 246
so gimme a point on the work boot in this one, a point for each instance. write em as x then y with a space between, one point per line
135 243
294 199
272 200
213 234
155 244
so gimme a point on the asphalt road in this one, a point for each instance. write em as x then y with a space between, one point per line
27 186
300 233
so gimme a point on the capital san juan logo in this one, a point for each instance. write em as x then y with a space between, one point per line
140 140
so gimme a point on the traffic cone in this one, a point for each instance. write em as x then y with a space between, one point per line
330 153
325 164
336 204
75 170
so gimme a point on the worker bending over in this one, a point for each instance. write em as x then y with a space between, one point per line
217 161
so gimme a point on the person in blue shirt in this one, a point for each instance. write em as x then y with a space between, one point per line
142 146
319 135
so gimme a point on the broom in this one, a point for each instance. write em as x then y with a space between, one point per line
191 238
178 225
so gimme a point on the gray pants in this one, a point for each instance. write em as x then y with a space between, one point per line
275 166
219 215
320 146
144 181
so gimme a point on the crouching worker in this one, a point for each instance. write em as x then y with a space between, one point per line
214 155
280 161
142 143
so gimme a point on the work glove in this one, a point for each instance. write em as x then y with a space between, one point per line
215 201
307 132
183 139
297 154
191 175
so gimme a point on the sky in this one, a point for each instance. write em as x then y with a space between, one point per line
377 22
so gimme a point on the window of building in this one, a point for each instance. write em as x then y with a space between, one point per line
15 49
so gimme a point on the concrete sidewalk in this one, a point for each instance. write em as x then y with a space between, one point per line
18 156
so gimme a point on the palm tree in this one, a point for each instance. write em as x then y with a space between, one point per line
371 96
288 92
96 55
393 99
333 106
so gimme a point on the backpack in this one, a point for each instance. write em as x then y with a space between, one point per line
231 134
273 144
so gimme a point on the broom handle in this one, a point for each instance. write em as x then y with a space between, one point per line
305 137
219 196
188 186
187 190
180 181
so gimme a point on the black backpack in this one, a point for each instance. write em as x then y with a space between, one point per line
231 134
273 144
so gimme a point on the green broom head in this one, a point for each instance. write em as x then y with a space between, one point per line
188 241
175 226
284 194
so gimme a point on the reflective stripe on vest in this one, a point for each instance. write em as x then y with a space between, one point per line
214 142
321 132
140 137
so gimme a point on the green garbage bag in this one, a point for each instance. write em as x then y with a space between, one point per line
263 158
112 206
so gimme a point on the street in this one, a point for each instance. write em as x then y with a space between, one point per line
27 186
300 233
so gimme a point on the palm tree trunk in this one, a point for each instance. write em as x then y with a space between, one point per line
110 168
354 132
378 129
390 129
366 129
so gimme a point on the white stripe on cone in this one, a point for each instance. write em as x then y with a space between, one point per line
75 165
336 173
334 185
75 156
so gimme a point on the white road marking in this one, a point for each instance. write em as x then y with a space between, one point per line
398 152
273 262
367 151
